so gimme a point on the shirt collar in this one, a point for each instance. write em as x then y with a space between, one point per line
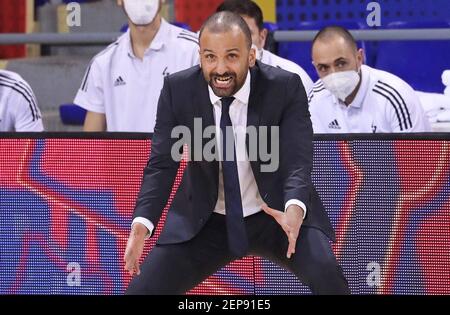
157 42
242 95
359 98
161 36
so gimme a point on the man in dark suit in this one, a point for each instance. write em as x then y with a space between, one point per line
237 204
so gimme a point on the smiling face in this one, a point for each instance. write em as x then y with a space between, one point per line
225 59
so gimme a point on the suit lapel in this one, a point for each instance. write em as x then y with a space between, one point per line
205 110
253 111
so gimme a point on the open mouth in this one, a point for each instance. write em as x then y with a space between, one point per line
223 82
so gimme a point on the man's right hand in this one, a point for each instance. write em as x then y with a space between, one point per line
135 246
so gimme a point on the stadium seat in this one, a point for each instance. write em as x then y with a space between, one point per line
300 52
420 63
124 28
72 114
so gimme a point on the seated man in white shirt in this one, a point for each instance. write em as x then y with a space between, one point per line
353 98
18 106
122 85
253 15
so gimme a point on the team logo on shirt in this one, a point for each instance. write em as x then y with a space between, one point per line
374 128
119 81
334 125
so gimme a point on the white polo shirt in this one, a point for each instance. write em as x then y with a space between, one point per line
384 104
275 61
125 88
18 106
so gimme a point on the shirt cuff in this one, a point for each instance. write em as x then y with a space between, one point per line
147 223
297 203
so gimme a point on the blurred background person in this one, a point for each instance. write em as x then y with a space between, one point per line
354 98
18 106
253 15
122 85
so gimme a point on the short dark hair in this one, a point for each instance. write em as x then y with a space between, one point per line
224 21
244 7
332 31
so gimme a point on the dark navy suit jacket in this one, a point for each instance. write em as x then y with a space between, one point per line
277 98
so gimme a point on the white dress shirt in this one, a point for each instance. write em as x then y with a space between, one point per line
251 199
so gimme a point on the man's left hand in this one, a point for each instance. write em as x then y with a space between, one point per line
290 221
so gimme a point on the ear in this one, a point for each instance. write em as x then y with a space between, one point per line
315 68
263 36
252 57
361 57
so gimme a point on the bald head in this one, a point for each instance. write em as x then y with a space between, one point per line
225 21
334 50
331 33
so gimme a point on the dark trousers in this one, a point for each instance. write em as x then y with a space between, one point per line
177 268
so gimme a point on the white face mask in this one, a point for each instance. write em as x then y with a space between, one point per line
341 84
141 12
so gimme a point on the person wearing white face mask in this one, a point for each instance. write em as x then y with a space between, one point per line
122 84
252 14
351 97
